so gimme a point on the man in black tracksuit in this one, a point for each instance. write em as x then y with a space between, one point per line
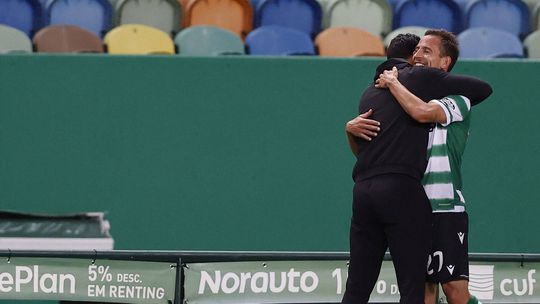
390 207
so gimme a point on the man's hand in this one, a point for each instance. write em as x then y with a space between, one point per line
363 127
387 78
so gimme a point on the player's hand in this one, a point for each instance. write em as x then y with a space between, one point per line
363 127
387 77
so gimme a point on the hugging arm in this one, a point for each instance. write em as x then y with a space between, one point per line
418 109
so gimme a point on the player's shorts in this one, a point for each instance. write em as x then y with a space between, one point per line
449 258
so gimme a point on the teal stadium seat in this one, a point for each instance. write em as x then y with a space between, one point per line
92 15
161 14
374 16
13 40
444 14
24 15
508 15
487 43
208 41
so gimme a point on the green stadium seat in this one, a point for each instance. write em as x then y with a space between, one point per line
532 44
13 40
374 16
161 14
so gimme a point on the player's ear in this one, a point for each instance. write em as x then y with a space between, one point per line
445 62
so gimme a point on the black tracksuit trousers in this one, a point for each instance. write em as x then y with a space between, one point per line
389 211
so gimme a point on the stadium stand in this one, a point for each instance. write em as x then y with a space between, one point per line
138 39
13 40
302 15
277 40
509 15
208 41
374 16
233 15
483 42
417 30
66 39
93 15
162 14
347 42
532 44
24 15
443 14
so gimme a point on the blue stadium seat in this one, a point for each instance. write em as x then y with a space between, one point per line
24 15
484 42
277 40
509 15
92 15
302 15
444 14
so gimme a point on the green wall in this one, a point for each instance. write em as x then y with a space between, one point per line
238 153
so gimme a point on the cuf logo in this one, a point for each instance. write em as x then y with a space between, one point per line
481 281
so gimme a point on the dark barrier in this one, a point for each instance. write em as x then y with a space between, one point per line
232 277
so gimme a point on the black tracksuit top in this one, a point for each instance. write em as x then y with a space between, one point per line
401 145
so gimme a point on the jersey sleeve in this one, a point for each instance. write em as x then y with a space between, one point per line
455 107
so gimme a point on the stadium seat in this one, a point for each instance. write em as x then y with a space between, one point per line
532 44
417 30
462 6
277 40
535 17
374 16
13 40
208 41
66 39
444 14
233 15
302 15
24 15
348 42
483 42
138 39
161 14
92 15
509 15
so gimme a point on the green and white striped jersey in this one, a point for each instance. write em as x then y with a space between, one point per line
442 179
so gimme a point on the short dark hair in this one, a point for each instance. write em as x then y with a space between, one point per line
449 44
402 46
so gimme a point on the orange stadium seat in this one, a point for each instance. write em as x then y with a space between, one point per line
233 15
347 42
67 39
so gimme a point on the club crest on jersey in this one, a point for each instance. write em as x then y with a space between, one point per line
449 102
461 237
